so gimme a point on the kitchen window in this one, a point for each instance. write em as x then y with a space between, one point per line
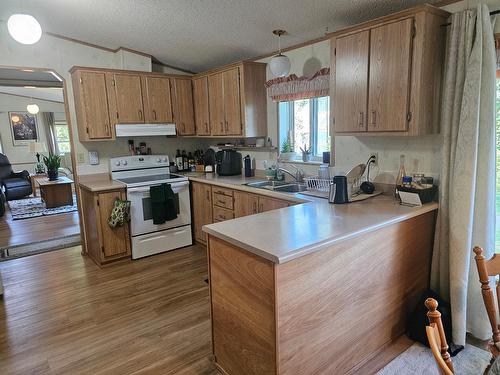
61 138
305 122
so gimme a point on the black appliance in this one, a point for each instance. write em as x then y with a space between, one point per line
339 193
228 163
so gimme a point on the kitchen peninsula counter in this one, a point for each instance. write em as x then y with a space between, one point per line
315 288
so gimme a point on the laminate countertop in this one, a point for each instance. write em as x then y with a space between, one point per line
288 233
99 182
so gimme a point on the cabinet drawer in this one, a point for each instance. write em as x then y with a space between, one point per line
221 214
222 191
224 201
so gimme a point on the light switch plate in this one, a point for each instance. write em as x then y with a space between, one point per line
93 158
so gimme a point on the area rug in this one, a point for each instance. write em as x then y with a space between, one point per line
418 359
19 251
35 207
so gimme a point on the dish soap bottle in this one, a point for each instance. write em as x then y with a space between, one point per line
401 174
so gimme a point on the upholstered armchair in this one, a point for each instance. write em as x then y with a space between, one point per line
16 185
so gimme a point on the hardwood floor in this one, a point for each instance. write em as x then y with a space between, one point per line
18 232
61 314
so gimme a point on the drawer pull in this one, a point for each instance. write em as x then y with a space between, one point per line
374 118
361 121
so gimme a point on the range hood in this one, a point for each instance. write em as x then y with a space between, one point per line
144 130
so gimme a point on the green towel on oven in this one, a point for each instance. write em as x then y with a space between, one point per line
162 203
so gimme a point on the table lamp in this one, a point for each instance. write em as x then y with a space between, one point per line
38 147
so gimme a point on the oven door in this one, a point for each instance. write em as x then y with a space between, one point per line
141 213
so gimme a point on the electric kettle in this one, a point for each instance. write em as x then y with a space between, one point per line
339 191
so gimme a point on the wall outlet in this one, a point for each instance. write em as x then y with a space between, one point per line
375 155
93 158
80 157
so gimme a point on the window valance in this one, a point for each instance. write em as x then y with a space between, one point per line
293 87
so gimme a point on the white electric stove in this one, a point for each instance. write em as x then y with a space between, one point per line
139 173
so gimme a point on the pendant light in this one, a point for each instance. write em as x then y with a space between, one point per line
24 28
33 108
279 64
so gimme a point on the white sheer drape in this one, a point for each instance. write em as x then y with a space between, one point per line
467 197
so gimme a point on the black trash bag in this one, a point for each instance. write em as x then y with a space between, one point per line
415 329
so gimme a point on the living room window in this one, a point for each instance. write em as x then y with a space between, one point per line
61 137
305 122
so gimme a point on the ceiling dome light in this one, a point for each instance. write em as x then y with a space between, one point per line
24 28
279 64
33 108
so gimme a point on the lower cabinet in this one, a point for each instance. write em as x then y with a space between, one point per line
269 204
202 209
214 204
103 243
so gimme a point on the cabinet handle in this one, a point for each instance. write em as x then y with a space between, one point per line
206 127
221 202
140 114
261 207
154 114
227 127
374 118
208 195
183 127
361 121
254 207
222 126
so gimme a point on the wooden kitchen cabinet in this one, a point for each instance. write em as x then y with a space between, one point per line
216 104
128 97
202 209
269 204
92 107
245 204
103 243
386 74
237 104
157 100
201 106
182 103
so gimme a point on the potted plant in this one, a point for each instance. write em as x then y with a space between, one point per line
53 162
306 153
286 152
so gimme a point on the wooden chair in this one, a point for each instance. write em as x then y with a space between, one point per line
487 268
437 338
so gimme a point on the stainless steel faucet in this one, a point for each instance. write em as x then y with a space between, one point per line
298 176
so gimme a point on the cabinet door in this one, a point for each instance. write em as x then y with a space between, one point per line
351 82
93 105
183 106
159 103
245 204
269 204
202 209
216 104
200 98
232 102
115 242
128 93
390 66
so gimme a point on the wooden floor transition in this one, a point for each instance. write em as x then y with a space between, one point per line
19 232
61 314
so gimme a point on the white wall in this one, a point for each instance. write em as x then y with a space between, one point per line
61 55
20 156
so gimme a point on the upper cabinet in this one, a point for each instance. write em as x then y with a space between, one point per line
92 107
201 112
182 103
237 104
128 100
386 74
157 100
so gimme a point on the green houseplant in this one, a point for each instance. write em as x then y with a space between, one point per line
53 162
286 151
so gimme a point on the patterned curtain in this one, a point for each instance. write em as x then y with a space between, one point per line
295 88
48 118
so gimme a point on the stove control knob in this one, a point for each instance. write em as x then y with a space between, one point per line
117 163
124 162
165 159
158 160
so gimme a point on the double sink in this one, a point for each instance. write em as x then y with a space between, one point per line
281 186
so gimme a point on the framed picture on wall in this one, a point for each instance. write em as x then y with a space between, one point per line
24 128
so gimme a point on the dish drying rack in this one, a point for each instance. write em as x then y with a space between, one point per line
323 184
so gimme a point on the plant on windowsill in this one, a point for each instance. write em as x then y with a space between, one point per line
286 152
306 154
53 162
